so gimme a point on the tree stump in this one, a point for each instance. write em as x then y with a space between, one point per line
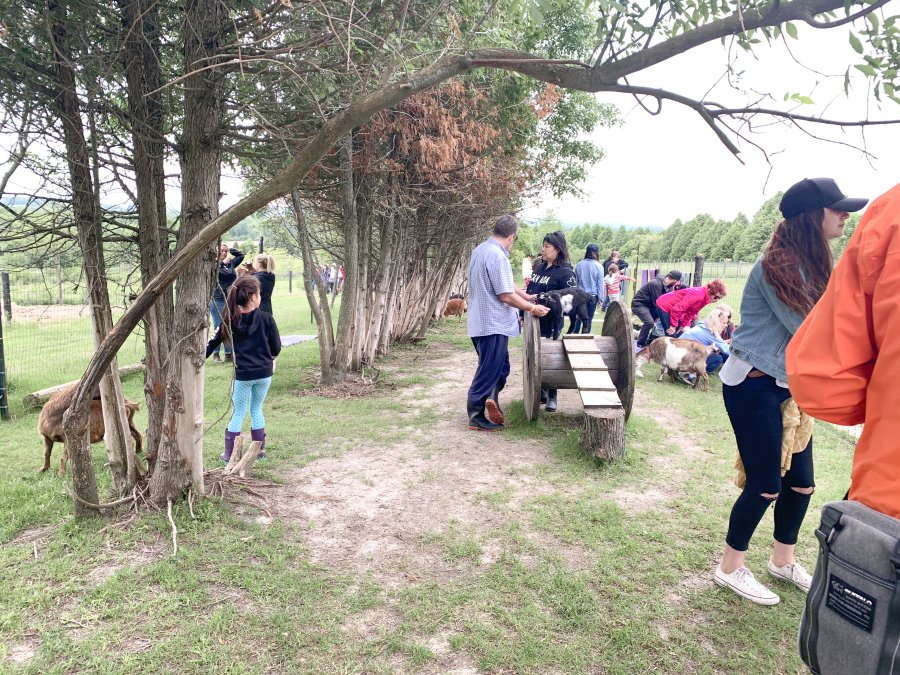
242 461
604 433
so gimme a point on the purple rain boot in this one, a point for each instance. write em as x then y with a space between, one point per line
229 445
259 435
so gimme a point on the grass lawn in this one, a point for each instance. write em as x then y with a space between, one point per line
570 566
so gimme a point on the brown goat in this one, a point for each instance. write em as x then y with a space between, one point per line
50 425
456 307
674 355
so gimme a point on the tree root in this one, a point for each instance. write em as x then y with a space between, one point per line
174 529
105 505
232 487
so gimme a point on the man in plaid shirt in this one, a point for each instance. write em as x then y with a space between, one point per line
492 320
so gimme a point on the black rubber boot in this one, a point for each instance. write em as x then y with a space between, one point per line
543 396
551 401
477 419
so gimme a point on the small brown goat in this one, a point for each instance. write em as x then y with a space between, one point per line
674 355
456 307
50 425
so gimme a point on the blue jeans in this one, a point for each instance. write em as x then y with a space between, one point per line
754 408
216 309
585 327
714 360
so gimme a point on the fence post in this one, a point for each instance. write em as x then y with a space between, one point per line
698 270
260 244
58 279
4 394
7 298
290 281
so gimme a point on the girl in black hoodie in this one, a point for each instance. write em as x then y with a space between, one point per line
255 344
553 273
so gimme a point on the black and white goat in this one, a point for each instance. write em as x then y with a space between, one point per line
568 302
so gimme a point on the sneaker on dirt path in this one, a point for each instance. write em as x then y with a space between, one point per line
742 582
794 574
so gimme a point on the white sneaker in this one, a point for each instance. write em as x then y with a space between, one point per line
742 582
792 573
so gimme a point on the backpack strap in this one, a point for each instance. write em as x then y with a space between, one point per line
891 645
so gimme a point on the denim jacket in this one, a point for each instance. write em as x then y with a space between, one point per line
767 325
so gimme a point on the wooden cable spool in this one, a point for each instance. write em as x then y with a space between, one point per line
545 364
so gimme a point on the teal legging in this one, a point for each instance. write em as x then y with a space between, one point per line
250 393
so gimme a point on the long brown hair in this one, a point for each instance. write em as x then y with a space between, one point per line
238 296
797 261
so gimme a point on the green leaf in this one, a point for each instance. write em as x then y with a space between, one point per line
534 11
872 18
856 44
865 69
791 30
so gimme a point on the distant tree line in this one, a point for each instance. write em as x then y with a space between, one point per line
717 240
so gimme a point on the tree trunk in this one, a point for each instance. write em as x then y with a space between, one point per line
380 304
346 332
319 307
180 457
86 210
142 64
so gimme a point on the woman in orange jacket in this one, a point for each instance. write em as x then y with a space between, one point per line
843 364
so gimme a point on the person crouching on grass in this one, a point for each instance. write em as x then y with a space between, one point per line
782 288
255 344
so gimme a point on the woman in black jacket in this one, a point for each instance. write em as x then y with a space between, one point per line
229 259
265 274
553 273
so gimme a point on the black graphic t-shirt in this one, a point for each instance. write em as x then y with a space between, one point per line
553 278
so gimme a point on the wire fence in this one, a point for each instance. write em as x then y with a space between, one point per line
47 336
47 332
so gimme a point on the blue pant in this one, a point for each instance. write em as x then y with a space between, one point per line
586 326
493 367
216 310
249 393
715 360
754 408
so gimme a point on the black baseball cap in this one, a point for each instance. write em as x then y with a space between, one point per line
592 248
674 274
817 193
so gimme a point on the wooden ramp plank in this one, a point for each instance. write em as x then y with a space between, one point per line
586 362
600 399
581 346
594 379
578 336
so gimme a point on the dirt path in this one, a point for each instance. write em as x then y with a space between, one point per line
372 510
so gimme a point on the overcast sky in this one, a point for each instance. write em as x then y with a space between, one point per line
659 168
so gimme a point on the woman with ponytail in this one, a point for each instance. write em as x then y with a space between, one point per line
781 289
264 271
255 342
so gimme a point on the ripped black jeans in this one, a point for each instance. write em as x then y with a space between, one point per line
754 407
